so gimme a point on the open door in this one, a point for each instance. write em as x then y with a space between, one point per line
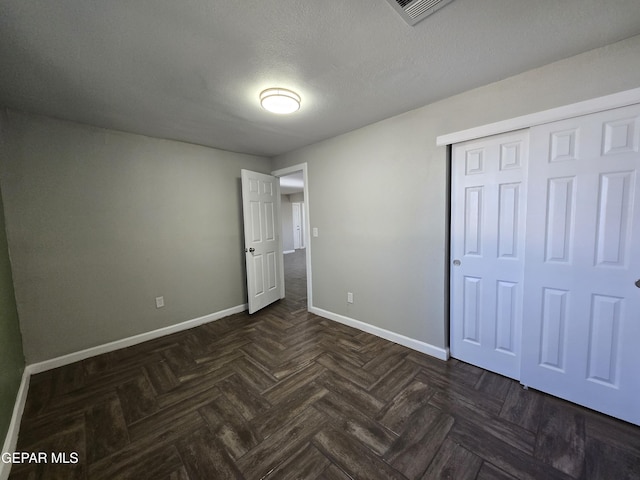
263 245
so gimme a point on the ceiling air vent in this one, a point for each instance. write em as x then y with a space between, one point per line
416 10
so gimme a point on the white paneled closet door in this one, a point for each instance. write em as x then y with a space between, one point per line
581 324
488 210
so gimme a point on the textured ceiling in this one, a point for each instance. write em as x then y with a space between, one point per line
192 70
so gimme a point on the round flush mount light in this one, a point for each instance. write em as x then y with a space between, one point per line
280 100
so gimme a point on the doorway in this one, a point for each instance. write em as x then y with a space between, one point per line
295 239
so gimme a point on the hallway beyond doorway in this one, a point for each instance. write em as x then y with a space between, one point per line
295 281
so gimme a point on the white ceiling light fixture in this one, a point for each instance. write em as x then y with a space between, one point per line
280 100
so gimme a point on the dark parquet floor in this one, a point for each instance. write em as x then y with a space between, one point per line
284 394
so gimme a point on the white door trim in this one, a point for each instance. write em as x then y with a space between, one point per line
305 208
594 105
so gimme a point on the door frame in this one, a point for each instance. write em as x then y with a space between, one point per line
306 222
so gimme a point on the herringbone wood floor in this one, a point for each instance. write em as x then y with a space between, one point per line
284 394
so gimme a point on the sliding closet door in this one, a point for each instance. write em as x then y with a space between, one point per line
488 202
581 326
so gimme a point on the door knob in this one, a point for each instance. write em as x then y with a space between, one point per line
456 263
250 250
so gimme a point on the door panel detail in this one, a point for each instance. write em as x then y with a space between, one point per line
560 203
473 221
472 292
256 227
614 218
474 162
258 268
604 339
269 222
563 146
620 137
506 316
508 220
510 155
554 314
272 273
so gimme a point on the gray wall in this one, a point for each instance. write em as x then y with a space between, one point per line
287 223
296 197
11 356
378 195
99 223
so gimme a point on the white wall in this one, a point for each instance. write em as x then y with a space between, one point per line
379 194
99 223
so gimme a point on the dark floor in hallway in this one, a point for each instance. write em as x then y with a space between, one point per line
284 394
295 281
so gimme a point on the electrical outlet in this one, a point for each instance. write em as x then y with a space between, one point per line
159 302
349 297
315 231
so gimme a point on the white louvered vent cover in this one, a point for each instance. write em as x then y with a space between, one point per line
416 10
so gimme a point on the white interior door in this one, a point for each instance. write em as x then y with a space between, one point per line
263 245
582 303
488 202
297 225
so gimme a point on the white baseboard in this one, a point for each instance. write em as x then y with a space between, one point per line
129 341
11 439
441 353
